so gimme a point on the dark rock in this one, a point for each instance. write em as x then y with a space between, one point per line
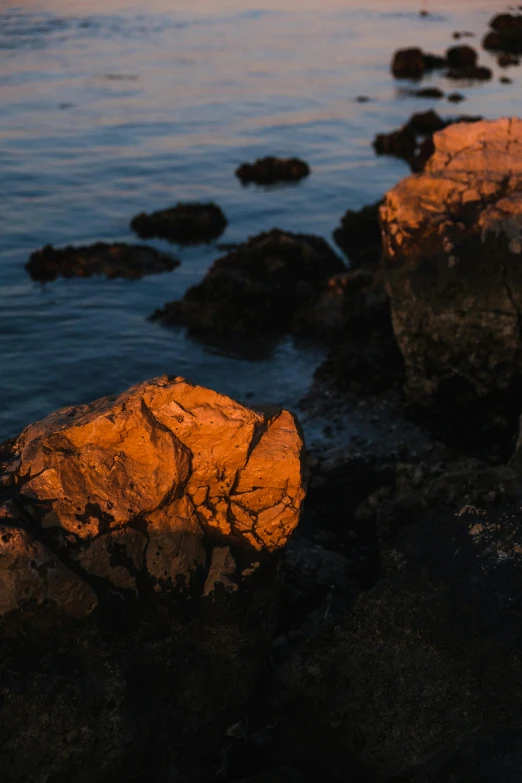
363 99
461 57
465 34
270 170
140 543
471 72
413 63
505 60
184 223
505 80
506 34
425 123
250 296
276 775
452 241
400 143
408 64
429 92
359 235
456 97
111 260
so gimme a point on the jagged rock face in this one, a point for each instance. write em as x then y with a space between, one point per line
452 241
139 545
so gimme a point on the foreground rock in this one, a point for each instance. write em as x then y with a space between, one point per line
505 35
184 223
250 296
139 549
111 260
452 244
270 170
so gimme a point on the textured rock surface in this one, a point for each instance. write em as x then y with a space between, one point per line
116 260
250 296
359 235
139 553
184 223
268 171
452 249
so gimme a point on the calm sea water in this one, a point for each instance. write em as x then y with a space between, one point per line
111 107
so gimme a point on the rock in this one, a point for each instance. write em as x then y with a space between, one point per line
111 260
405 143
478 73
408 64
250 296
359 235
464 34
424 670
140 545
363 99
429 92
184 223
505 60
270 170
452 240
505 35
456 97
505 80
461 57
276 775
413 63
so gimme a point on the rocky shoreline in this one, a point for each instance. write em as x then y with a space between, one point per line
190 593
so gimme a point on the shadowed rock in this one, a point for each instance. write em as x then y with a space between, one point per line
184 223
140 541
359 235
452 244
429 92
412 63
270 170
249 297
111 260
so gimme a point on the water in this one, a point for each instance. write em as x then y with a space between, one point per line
110 108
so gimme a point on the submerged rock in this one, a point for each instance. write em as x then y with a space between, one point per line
429 92
250 296
505 35
452 243
270 170
111 260
184 223
140 541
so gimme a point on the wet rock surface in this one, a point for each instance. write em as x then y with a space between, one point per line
250 296
111 260
140 541
271 170
413 63
452 241
186 223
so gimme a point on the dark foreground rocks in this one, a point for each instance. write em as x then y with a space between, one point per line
505 35
452 247
250 296
111 260
359 235
140 541
270 170
184 223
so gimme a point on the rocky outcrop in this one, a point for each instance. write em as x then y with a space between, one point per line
111 260
140 541
270 170
250 296
505 34
184 223
452 243
463 64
